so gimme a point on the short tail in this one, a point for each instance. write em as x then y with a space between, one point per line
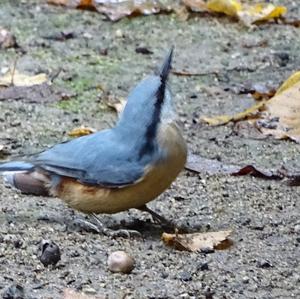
22 176
16 166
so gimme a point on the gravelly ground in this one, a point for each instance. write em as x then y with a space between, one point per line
264 261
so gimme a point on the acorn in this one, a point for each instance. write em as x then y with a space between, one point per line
120 262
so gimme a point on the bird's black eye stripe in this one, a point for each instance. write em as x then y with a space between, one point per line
150 134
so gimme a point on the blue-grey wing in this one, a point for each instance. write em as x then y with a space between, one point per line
98 159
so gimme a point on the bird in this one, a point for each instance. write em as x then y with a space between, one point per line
115 169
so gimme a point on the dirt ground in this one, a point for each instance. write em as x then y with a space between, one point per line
264 261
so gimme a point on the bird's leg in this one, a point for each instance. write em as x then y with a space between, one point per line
126 233
165 222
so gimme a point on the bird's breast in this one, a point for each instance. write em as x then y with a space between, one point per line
157 178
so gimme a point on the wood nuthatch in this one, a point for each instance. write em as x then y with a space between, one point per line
115 169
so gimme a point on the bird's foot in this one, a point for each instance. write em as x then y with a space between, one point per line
165 223
123 233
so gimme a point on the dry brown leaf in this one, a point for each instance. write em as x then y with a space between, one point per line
71 294
281 116
117 104
115 10
18 79
7 40
197 241
81 131
195 5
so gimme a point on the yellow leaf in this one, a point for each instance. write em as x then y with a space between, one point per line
260 12
228 7
272 12
246 13
217 120
17 79
81 131
197 241
224 119
292 80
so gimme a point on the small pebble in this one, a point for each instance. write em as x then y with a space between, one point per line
245 279
264 264
185 276
297 229
120 262
207 250
119 33
49 253
89 290
203 266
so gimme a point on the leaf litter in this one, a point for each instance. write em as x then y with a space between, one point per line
277 116
200 164
198 241
247 14
115 10
29 88
81 131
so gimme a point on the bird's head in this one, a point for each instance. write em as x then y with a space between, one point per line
150 103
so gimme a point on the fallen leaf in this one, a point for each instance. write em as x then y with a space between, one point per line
224 119
228 7
292 80
200 164
115 10
196 5
260 12
197 241
71 294
116 103
281 115
81 131
262 91
277 117
7 39
43 93
18 79
248 14
182 13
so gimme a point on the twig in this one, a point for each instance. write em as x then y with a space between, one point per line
13 71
